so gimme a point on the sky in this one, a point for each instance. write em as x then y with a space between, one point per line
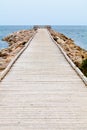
43 12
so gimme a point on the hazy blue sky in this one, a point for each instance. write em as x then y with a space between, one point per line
58 12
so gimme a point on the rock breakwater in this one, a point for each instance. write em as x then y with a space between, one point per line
76 53
16 41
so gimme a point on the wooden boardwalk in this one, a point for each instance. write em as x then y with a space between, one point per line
42 91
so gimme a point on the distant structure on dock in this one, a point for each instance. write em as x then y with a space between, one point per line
41 26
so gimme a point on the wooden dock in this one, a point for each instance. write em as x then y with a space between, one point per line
42 91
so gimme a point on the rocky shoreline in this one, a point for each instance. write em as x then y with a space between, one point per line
16 41
75 53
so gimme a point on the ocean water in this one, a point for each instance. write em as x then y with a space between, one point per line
6 30
77 33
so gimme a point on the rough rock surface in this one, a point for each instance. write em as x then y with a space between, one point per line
76 53
17 41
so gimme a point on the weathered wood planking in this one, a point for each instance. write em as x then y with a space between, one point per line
42 91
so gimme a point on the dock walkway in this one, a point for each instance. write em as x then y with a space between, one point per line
42 91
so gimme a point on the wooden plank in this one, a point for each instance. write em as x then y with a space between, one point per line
42 91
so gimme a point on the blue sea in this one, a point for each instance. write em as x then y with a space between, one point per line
77 33
6 30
